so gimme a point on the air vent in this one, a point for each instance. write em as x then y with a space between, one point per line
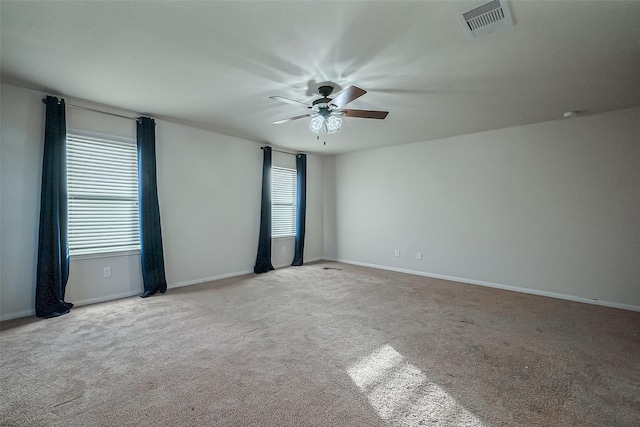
486 18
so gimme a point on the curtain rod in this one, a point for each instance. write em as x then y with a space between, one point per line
280 151
44 101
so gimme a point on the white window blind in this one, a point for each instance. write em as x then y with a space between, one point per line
102 185
283 202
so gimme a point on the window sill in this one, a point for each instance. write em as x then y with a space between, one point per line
104 255
284 238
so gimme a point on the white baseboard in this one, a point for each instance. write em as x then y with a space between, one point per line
208 279
495 285
630 307
306 261
225 276
25 313
32 312
75 304
107 298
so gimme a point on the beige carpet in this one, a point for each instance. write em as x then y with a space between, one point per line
310 346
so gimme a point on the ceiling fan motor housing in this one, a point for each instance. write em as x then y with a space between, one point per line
321 104
325 90
321 101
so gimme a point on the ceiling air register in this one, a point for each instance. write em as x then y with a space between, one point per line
486 18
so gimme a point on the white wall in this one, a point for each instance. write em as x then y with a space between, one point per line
209 195
208 189
330 208
553 208
21 130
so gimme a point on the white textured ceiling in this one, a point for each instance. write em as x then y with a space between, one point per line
214 64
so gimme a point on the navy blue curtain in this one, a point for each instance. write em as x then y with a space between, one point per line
151 255
263 259
52 271
301 208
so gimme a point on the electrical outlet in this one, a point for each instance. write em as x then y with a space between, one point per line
284 249
106 272
418 255
397 253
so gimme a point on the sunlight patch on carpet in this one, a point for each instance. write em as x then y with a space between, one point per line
401 393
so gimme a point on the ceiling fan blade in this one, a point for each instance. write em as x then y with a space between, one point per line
277 122
289 101
365 114
346 96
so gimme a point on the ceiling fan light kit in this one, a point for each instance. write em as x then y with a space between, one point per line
327 113
331 124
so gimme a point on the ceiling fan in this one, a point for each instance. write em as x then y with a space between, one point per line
326 113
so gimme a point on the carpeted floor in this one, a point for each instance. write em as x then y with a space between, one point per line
326 344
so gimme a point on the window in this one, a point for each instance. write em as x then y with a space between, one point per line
102 185
283 202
